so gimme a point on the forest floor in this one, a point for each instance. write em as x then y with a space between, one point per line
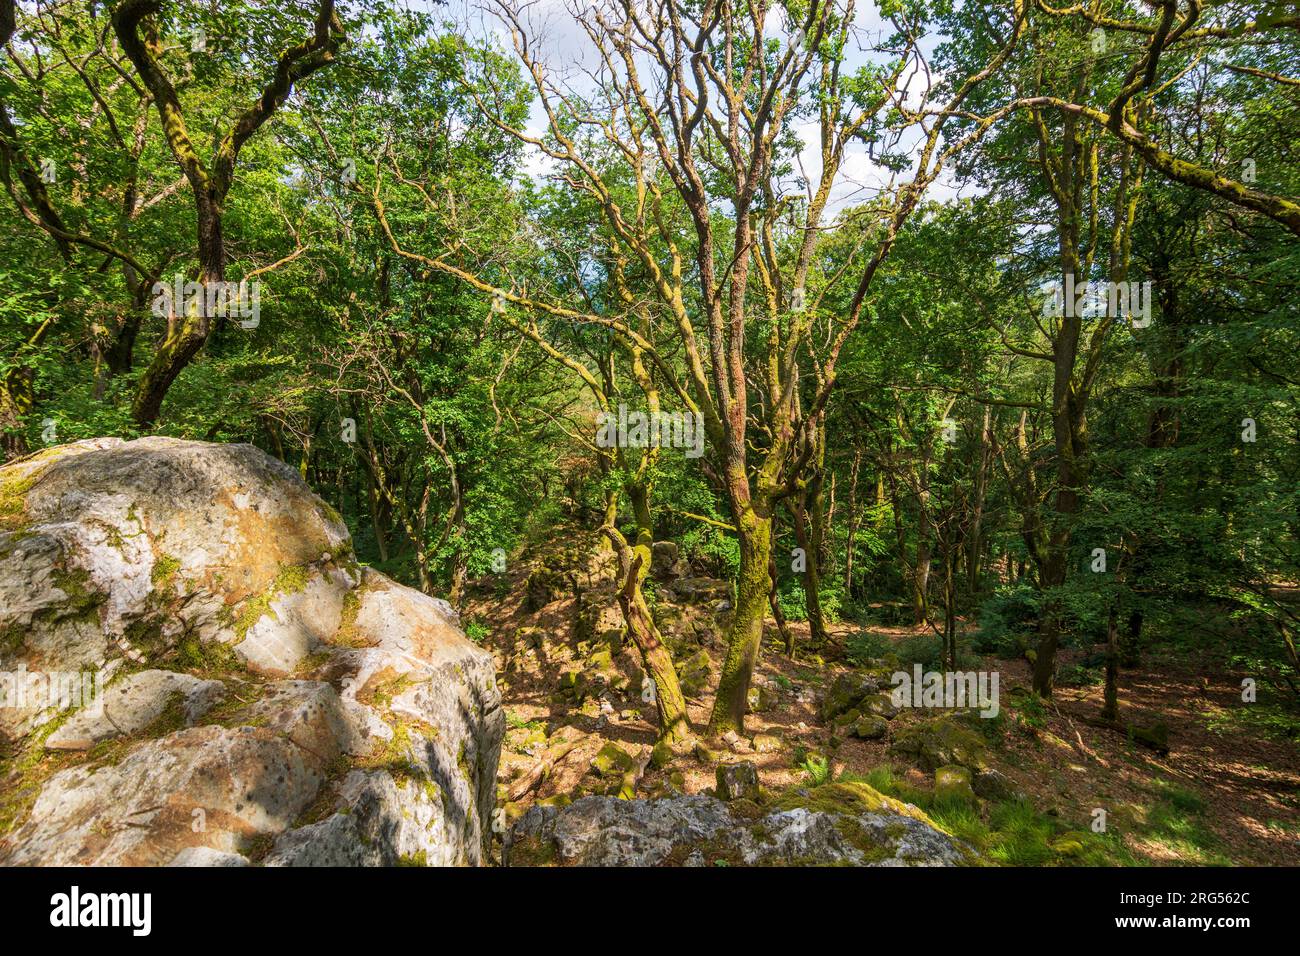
1226 793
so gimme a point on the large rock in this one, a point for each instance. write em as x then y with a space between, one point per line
703 831
132 704
737 781
953 785
666 561
850 690
694 672
869 727
993 784
266 698
547 584
698 590
940 742
600 619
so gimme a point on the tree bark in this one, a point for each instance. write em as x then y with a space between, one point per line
744 638
670 703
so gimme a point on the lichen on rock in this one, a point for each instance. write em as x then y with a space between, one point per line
846 829
267 701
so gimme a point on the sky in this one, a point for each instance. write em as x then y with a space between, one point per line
566 50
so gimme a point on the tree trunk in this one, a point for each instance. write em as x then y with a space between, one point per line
851 532
15 401
1049 637
1110 706
186 333
745 635
950 615
812 572
921 571
774 600
670 704
974 539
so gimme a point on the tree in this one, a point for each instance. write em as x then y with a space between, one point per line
136 25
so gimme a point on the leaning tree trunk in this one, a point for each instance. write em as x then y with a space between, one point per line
670 703
187 332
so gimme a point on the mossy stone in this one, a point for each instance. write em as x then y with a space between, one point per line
952 784
870 727
879 704
662 755
612 760
941 742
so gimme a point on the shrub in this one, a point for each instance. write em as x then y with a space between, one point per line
1006 619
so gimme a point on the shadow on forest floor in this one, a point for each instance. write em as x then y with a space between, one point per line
1224 794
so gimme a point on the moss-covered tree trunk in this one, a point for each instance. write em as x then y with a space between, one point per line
136 25
670 703
809 550
774 602
188 330
16 398
816 511
754 531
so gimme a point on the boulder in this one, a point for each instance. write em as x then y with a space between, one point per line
206 856
738 781
760 699
546 585
953 785
705 754
265 698
881 705
667 563
686 628
698 590
848 691
703 831
941 742
620 771
693 674
132 704
612 761
381 821
600 619
993 784
870 727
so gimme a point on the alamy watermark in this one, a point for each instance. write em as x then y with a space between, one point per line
40 690
632 429
133 911
978 689
1093 300
242 300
